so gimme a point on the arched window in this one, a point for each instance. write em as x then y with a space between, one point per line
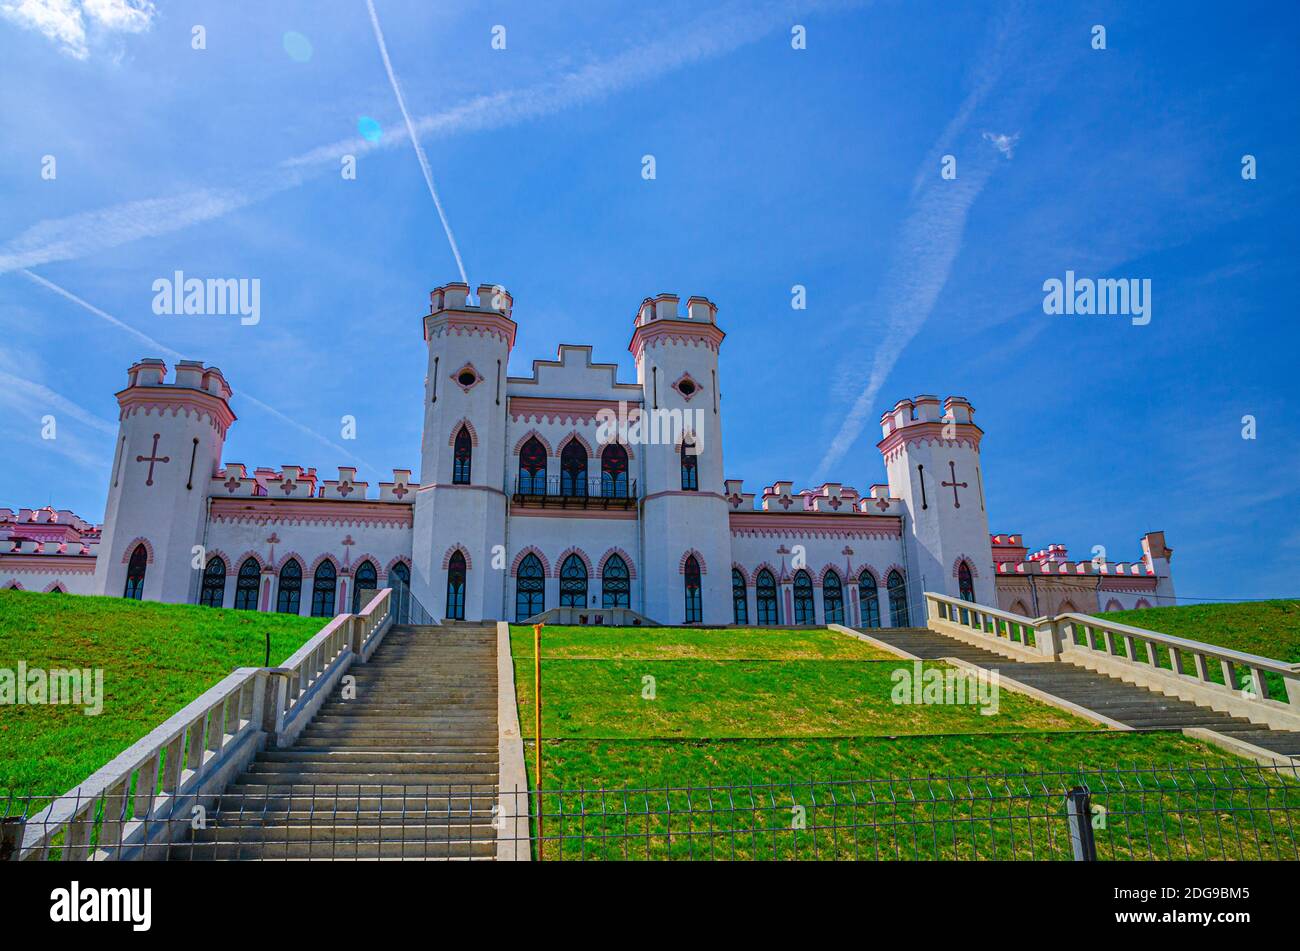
365 576
573 469
1018 607
694 607
739 597
765 599
462 454
869 599
322 590
532 468
247 585
530 588
613 471
690 465
456 586
965 582
287 599
804 612
214 583
615 584
58 589
573 583
897 600
135 569
832 599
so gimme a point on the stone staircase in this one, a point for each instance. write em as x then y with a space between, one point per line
406 770
1125 703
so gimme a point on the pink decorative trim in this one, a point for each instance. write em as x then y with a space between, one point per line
866 570
148 400
518 511
821 578
776 575
1113 605
351 570
544 409
13 584
218 553
744 574
575 436
467 368
902 573
676 385
1066 607
477 324
533 434
1019 607
291 556
261 563
265 511
446 559
53 585
559 561
530 550
681 565
321 559
1142 603
399 560
684 332
43 564
138 540
627 560
970 562
455 429
932 433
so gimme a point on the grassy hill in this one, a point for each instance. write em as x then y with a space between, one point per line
155 659
731 708
1270 628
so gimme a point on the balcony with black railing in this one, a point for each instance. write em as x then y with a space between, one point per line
596 492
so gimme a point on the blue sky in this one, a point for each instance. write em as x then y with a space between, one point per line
774 167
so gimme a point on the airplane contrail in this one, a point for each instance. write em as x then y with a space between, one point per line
415 139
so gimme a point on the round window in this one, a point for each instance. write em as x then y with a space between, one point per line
466 378
686 387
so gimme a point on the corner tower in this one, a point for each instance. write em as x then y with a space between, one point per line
460 509
170 437
933 463
684 513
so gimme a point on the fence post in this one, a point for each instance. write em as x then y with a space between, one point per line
12 829
1078 810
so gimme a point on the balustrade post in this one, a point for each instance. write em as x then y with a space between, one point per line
1047 637
1292 682
275 701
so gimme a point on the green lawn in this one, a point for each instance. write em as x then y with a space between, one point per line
676 643
741 722
724 699
1269 628
155 659
714 799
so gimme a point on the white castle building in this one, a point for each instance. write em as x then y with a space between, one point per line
562 489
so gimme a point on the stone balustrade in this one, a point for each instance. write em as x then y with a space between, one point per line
146 797
1258 688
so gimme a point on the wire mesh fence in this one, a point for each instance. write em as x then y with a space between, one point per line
1220 812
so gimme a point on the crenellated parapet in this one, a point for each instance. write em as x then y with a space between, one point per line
921 421
659 321
297 482
194 389
452 312
829 498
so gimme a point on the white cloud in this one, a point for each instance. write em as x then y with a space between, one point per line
65 21
1005 144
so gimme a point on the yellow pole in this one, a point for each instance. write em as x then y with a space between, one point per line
537 727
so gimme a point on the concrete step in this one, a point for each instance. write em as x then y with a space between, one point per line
341 829
329 849
254 799
365 758
340 783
